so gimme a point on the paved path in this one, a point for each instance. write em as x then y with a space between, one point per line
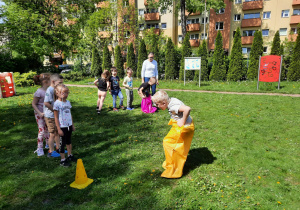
208 91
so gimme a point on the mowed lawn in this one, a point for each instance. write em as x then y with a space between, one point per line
244 155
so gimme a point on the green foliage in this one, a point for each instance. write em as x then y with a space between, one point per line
293 73
25 79
202 52
235 72
154 49
186 52
119 61
142 56
170 61
275 49
106 63
287 58
131 58
256 51
72 76
218 72
96 69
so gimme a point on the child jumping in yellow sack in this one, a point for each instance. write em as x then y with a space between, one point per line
178 141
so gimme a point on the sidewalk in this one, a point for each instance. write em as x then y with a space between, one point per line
208 91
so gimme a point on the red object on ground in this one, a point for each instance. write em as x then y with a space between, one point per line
7 85
146 105
269 68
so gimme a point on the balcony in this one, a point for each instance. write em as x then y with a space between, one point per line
250 5
156 31
103 4
187 13
194 42
293 37
247 39
151 16
193 27
146 3
253 22
296 2
295 19
104 34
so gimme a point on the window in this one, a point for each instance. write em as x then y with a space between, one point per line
248 33
296 12
221 11
194 36
267 15
180 38
251 15
206 20
163 11
285 13
294 30
154 25
141 26
152 10
125 3
202 36
219 25
265 49
265 32
246 50
283 31
191 21
251 0
163 25
237 17
127 34
238 1
126 19
141 12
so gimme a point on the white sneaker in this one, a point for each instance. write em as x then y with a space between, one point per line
39 151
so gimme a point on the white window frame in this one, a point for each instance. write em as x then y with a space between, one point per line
296 10
127 34
180 38
235 17
238 1
202 36
248 49
163 11
252 14
283 32
266 14
221 11
193 36
141 11
265 50
294 30
263 31
202 20
285 13
141 28
163 27
218 26
125 3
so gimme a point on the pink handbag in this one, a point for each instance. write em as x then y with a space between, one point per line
146 105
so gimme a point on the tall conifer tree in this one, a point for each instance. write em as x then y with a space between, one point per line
218 71
256 51
119 61
131 59
235 72
293 73
170 60
275 50
106 64
142 56
202 52
96 69
186 52
155 50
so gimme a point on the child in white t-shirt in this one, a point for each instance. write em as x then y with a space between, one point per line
64 123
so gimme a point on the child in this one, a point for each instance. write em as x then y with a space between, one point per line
37 104
178 141
115 90
55 79
144 92
102 84
64 123
129 88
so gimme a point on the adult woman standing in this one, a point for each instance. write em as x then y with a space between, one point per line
149 70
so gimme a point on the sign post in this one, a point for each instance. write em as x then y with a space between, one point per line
269 69
192 63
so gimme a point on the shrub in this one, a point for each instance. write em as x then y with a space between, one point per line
218 71
72 76
25 79
170 61
293 73
186 52
256 51
131 63
142 56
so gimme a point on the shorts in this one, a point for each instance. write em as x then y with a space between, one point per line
50 122
65 139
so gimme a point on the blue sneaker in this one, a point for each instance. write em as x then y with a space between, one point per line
129 108
47 146
132 108
66 151
55 154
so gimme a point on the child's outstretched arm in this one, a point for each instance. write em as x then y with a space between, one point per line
96 82
186 111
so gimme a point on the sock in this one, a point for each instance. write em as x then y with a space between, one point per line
62 160
70 155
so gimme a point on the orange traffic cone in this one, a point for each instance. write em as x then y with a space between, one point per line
81 180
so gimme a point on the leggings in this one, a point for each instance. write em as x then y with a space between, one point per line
65 139
43 130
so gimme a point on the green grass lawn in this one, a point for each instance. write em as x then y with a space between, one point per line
244 155
244 86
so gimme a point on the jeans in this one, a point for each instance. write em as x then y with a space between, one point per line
115 94
153 87
129 94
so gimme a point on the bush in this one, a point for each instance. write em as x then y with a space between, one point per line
25 79
72 76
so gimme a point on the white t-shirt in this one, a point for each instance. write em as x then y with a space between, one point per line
173 108
64 113
49 97
149 69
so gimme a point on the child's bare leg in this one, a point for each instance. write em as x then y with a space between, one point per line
102 97
69 148
57 141
51 142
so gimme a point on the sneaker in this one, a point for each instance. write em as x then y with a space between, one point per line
47 146
115 110
39 151
132 108
65 163
122 107
129 108
97 108
54 154
72 158
98 112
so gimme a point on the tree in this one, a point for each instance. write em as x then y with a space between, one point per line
275 50
106 64
256 51
119 61
142 56
96 69
155 51
218 71
170 60
186 52
235 72
293 73
131 59
202 52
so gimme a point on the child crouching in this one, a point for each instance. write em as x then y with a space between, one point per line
177 143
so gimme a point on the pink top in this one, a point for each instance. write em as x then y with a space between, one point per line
40 93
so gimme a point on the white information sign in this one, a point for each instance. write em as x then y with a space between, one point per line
192 63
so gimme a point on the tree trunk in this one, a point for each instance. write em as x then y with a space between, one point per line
183 18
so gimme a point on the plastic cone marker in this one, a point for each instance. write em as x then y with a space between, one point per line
81 179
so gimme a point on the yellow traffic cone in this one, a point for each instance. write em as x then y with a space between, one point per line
81 180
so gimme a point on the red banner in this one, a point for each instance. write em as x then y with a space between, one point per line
269 68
